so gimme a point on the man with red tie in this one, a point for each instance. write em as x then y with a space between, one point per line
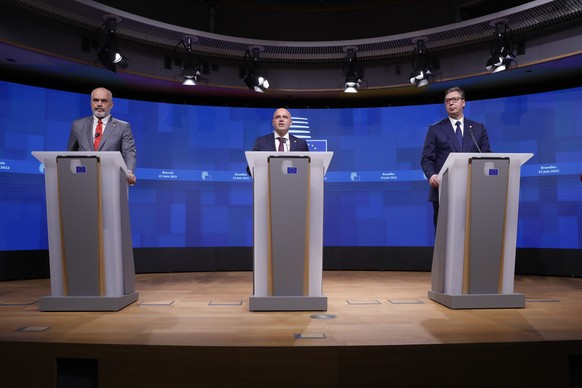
102 132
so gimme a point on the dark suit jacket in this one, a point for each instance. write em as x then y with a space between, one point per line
440 141
117 136
267 143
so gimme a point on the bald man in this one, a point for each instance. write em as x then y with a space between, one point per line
102 132
280 139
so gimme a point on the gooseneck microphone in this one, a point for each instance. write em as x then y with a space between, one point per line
473 137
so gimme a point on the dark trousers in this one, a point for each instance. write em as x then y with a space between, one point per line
435 216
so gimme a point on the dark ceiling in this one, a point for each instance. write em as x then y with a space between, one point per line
320 20
51 44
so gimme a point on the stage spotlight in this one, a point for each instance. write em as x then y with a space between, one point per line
191 72
422 64
253 78
257 83
191 75
502 54
352 84
353 80
108 52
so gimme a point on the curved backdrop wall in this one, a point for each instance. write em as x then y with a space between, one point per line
193 190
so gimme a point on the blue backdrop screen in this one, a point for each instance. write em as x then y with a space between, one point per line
193 190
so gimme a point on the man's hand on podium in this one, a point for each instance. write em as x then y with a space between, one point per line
131 179
433 181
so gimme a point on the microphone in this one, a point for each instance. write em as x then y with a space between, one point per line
473 137
95 138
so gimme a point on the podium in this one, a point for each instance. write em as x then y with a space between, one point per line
89 233
474 253
288 230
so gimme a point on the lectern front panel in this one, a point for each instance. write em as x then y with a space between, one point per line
486 206
79 193
289 225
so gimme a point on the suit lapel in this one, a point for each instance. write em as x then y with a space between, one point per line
292 143
469 125
109 128
88 131
271 140
106 133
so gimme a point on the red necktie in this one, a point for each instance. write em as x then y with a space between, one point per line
98 132
281 144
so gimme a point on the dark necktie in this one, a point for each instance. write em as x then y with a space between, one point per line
98 132
459 134
281 144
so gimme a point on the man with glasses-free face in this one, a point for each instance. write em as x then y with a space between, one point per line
456 133
280 139
103 132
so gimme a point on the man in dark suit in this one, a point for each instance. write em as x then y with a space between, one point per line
102 132
442 139
280 139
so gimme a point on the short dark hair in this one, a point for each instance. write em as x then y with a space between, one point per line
456 89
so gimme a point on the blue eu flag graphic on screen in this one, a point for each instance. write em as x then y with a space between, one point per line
317 145
300 128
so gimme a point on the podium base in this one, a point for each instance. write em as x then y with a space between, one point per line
288 303
86 303
479 301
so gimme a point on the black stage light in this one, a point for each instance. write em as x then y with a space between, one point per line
502 54
422 63
108 52
253 77
353 80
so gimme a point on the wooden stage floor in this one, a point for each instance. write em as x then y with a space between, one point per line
380 328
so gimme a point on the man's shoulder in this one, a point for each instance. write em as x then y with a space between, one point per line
444 121
118 121
267 136
472 122
86 119
296 138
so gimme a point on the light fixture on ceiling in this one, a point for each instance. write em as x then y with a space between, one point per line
190 64
108 52
353 79
502 54
253 77
422 63
191 76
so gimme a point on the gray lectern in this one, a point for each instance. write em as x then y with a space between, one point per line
474 254
288 230
90 248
